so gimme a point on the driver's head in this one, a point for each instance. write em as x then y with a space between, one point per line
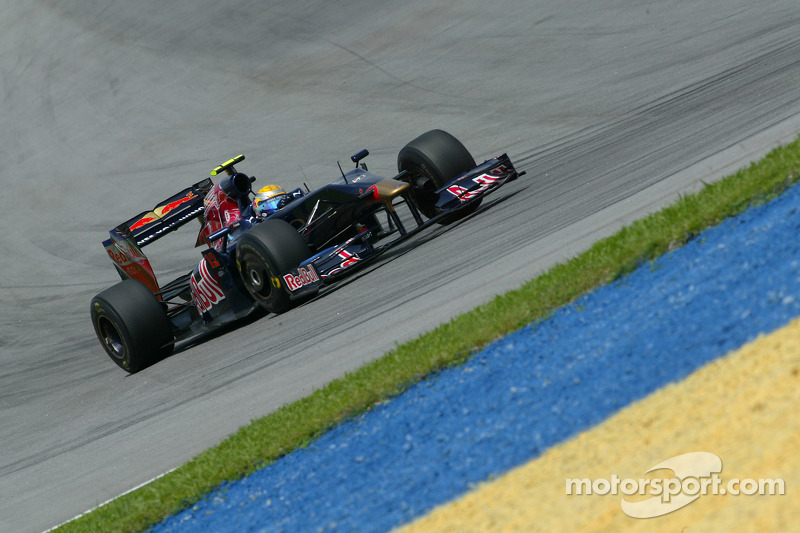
267 199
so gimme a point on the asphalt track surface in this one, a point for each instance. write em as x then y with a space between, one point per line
611 107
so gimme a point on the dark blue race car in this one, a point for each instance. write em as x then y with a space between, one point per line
251 262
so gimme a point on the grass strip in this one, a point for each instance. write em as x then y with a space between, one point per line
296 425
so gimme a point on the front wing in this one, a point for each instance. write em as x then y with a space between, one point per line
476 183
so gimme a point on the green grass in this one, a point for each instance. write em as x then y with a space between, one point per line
296 425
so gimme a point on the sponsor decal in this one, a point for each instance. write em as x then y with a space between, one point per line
485 181
502 169
161 211
124 252
349 259
128 257
206 291
131 270
145 220
458 191
170 226
120 258
165 209
305 276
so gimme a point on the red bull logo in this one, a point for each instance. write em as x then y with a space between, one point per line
145 220
124 253
161 211
127 255
305 276
206 291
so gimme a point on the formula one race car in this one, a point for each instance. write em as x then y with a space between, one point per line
253 261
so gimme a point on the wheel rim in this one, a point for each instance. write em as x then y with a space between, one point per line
257 277
112 340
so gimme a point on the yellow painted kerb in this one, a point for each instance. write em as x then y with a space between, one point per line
742 407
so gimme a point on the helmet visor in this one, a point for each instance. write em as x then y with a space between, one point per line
264 207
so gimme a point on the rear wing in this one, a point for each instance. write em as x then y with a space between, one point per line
127 239
168 215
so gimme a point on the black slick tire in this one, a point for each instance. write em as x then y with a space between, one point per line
132 325
263 253
431 160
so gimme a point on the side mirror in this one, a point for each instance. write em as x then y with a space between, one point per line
355 158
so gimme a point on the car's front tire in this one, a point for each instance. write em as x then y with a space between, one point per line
263 253
431 160
132 325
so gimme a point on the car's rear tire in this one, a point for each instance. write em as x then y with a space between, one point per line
263 253
431 160
132 325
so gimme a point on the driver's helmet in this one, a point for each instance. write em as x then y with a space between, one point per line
267 199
